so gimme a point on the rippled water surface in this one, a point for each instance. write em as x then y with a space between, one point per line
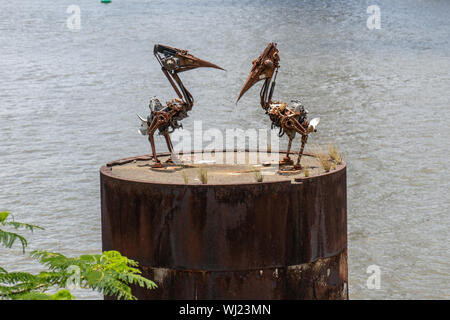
68 104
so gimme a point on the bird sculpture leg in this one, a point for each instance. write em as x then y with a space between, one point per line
288 124
156 123
170 147
297 165
157 163
287 159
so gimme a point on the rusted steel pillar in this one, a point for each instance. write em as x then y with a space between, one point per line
266 240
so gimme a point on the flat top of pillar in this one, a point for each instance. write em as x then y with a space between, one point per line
230 167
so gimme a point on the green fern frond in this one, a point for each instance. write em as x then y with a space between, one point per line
53 261
16 284
16 277
21 225
7 239
4 215
137 279
109 273
33 296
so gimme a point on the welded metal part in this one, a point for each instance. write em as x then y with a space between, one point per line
290 119
265 240
166 119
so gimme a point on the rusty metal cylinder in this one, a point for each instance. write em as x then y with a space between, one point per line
262 240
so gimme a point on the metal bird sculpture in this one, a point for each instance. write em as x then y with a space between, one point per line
166 118
291 119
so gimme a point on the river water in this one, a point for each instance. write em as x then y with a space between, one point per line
69 98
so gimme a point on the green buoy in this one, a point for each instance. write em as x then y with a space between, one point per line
106 1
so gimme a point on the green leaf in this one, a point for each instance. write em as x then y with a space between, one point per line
63 294
94 277
90 258
4 215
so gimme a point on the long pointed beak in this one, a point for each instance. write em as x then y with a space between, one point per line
180 60
251 80
263 68
190 62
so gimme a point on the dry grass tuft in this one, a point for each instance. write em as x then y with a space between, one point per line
324 161
334 154
322 156
203 175
257 173
306 171
185 178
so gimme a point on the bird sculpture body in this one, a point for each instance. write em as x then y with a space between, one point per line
166 118
290 119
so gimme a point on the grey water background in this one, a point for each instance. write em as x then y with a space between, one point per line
68 104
